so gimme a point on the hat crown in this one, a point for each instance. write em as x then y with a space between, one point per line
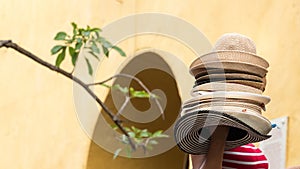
235 41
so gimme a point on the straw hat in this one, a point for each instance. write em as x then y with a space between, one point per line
189 105
193 138
239 78
217 86
233 47
232 52
255 84
231 95
225 99
243 105
232 66
252 117
230 76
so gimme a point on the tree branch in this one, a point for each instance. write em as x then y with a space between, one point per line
4 42
127 99
138 81
10 44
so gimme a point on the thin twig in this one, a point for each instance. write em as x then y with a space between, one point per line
127 99
10 44
139 82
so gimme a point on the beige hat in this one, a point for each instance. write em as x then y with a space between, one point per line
230 76
233 47
187 105
192 137
243 105
257 85
252 117
232 95
232 66
218 86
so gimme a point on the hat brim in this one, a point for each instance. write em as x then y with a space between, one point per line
222 100
255 84
243 105
231 95
187 105
218 86
191 136
251 117
231 66
230 76
231 55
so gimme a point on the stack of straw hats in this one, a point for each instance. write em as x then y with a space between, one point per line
228 92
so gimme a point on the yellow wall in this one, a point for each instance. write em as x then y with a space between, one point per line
38 125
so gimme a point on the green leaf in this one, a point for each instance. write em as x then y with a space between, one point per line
71 51
78 45
60 57
95 30
107 44
69 41
104 42
80 30
122 89
86 33
93 54
127 129
56 49
101 39
105 85
144 133
136 130
131 89
105 50
131 134
60 36
139 94
117 152
74 59
138 140
74 55
97 35
74 25
119 50
114 126
95 48
153 142
89 66
79 40
157 133
163 136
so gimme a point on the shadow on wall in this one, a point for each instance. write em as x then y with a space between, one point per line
153 78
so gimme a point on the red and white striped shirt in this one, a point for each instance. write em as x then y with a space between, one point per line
245 157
